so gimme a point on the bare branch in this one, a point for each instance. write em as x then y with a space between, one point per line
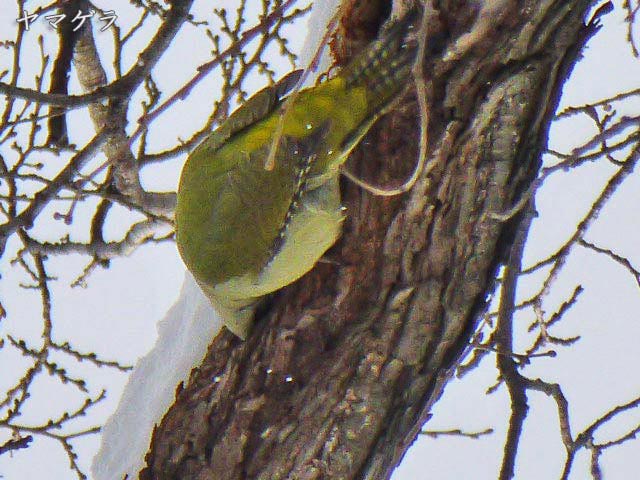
127 84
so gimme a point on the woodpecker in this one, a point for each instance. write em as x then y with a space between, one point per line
244 230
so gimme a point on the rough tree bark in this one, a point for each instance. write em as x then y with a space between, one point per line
343 367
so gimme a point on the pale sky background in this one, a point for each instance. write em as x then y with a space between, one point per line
116 316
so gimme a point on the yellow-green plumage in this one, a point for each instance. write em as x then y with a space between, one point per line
245 231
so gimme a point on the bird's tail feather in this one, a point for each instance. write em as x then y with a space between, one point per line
386 63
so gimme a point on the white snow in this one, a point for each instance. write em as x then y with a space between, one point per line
183 337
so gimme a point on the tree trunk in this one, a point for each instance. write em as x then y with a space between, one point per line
343 367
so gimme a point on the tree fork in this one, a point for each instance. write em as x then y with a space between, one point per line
343 367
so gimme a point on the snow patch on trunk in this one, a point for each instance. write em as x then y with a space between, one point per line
183 338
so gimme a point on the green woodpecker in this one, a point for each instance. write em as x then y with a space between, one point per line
244 230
